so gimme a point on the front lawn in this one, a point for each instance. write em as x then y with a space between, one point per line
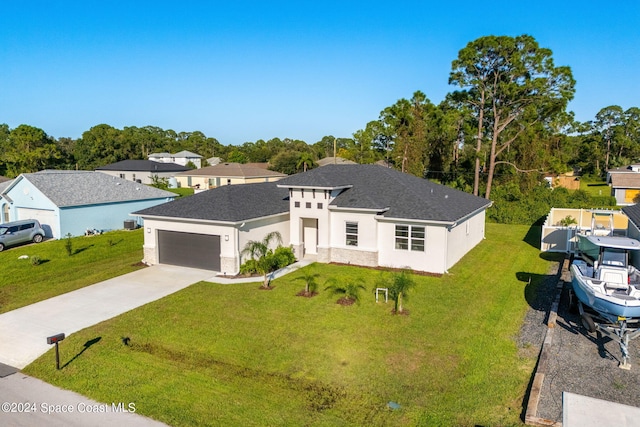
236 355
92 259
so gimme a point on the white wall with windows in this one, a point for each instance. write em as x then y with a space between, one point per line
416 245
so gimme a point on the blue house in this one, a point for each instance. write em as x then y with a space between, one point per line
71 202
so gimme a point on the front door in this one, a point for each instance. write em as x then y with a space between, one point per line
310 235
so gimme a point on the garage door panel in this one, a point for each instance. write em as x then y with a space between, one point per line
189 249
47 218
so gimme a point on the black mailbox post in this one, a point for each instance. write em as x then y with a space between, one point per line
55 339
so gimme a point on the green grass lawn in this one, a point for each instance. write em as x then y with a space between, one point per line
595 187
236 355
93 259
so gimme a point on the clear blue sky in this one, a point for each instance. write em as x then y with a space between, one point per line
242 71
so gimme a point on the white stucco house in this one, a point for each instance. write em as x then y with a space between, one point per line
356 214
181 158
142 171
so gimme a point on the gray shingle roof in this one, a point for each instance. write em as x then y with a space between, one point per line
229 203
377 188
78 188
633 212
143 166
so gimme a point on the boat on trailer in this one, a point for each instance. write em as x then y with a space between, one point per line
607 288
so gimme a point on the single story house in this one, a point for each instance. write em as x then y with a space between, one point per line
70 202
625 184
227 174
142 171
334 161
180 158
359 214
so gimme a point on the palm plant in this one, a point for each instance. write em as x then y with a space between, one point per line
350 290
402 283
305 160
259 251
310 283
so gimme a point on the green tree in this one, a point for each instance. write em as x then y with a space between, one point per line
237 156
305 161
509 83
29 149
261 252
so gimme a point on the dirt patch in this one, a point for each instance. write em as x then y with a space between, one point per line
306 294
346 301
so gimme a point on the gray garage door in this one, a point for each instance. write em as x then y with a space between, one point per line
189 249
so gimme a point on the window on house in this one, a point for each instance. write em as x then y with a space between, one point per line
410 237
134 177
296 204
228 182
319 205
352 233
402 237
308 205
122 176
5 213
417 239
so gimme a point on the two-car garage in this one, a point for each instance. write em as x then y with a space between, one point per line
189 249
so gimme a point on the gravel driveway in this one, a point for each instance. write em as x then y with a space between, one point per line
578 362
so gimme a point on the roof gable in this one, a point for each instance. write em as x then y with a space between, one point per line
229 203
78 188
400 195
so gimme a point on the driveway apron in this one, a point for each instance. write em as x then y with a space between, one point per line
24 332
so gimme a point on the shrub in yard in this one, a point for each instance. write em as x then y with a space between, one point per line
349 290
68 245
35 260
283 256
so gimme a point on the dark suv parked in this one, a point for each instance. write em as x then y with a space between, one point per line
13 233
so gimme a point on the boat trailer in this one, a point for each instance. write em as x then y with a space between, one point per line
617 328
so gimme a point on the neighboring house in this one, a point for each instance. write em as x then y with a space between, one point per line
356 214
181 158
142 171
227 174
4 204
334 161
625 184
633 229
74 201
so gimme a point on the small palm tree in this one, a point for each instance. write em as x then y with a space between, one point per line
350 290
305 160
402 283
310 283
260 251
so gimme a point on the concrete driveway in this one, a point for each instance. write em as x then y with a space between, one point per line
24 332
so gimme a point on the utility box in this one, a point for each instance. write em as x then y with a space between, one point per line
129 224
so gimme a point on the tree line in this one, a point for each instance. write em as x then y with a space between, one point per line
506 123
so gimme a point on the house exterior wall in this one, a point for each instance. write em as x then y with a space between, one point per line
315 212
143 176
463 237
207 182
76 220
433 259
366 251
233 238
26 196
